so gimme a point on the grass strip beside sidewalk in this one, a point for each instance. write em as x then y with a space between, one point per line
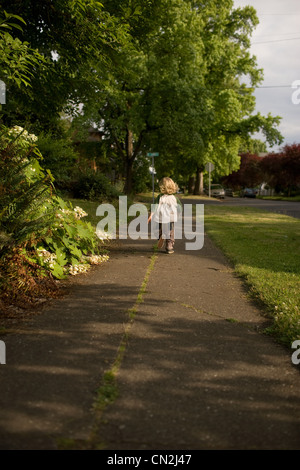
264 248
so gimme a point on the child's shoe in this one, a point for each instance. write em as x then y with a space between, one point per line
160 243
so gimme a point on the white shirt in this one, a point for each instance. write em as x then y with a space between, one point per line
166 209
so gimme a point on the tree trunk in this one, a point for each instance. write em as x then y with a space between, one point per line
128 176
191 185
129 162
199 181
130 155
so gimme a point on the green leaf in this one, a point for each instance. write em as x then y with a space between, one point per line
58 271
60 257
75 251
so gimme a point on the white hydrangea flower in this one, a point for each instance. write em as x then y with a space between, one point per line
17 130
48 258
98 259
60 214
32 137
79 212
78 269
103 235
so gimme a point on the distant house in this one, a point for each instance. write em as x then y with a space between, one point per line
263 154
94 135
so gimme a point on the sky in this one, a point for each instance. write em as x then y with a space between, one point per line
276 44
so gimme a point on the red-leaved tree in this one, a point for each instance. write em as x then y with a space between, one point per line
248 175
282 170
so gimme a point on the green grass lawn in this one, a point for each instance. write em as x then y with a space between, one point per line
265 250
281 198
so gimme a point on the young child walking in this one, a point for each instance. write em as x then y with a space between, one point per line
167 207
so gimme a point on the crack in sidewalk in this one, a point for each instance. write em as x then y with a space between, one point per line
108 391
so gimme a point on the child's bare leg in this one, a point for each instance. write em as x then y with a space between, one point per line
170 241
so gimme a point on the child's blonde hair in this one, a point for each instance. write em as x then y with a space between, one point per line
167 186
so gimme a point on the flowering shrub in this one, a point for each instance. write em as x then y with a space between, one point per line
72 240
98 259
79 212
77 269
103 236
38 229
47 258
27 138
83 268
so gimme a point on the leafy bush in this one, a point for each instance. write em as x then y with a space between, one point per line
59 155
25 188
93 185
72 245
42 237
141 180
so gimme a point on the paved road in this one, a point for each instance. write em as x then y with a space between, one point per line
291 209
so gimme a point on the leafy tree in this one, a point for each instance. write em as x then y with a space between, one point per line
153 97
291 165
253 146
154 75
248 175
70 35
271 167
226 40
282 170
177 86
17 59
59 155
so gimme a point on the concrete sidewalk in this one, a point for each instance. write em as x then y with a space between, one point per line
197 371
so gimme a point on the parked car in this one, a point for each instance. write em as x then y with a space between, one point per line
216 190
249 192
228 192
